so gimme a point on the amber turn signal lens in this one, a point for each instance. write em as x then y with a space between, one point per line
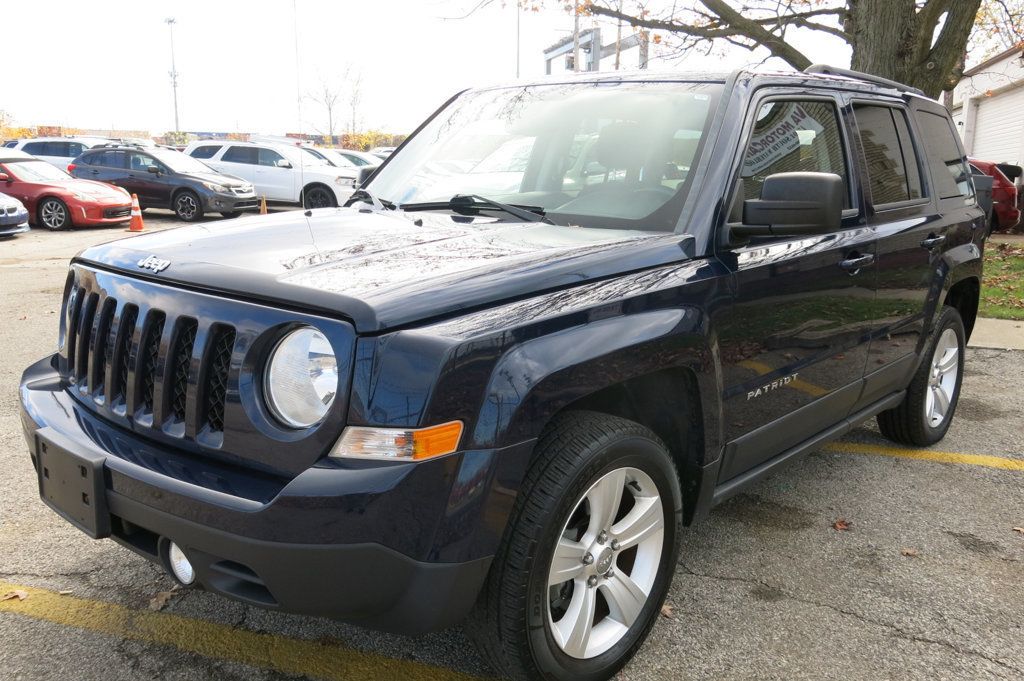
399 444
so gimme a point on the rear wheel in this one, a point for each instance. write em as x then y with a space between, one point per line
588 556
187 206
53 214
318 196
924 415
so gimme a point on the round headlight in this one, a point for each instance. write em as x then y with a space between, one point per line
301 378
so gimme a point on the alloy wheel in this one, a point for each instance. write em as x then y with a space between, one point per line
317 198
53 214
605 563
186 207
942 378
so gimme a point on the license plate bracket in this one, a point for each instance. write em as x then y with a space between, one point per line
73 484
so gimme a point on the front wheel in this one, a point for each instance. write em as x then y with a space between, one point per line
317 196
924 415
588 556
188 207
53 214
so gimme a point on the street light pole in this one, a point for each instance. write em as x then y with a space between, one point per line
174 73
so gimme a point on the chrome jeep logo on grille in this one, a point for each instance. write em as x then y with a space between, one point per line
154 263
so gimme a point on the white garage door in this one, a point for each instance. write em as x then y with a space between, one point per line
999 128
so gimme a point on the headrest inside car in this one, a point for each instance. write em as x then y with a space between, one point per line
620 145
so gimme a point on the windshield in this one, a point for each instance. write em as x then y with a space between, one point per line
615 155
36 171
179 162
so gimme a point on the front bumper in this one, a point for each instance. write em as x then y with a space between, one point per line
13 223
95 214
280 544
229 203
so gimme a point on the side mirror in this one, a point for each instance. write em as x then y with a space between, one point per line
4 177
153 169
283 163
364 174
794 204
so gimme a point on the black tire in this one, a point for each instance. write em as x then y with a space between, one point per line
513 619
53 214
187 206
909 423
230 215
318 196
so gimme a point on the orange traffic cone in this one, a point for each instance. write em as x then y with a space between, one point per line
136 224
263 205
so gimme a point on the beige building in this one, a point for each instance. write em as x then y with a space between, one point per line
988 108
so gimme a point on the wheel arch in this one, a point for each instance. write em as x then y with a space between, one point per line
668 402
317 184
964 296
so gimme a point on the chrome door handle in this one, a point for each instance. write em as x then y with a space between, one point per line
933 241
854 264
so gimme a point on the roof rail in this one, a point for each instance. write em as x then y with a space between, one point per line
827 70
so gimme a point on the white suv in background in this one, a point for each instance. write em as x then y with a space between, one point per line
58 151
279 172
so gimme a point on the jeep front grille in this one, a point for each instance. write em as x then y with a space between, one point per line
107 340
181 368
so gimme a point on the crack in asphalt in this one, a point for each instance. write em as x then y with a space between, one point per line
896 630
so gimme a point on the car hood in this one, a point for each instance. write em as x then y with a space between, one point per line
217 178
6 201
99 191
385 269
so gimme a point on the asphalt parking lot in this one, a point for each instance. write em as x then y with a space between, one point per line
925 582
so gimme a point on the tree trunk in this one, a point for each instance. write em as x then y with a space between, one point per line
892 39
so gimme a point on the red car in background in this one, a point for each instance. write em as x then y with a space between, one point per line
56 200
1005 213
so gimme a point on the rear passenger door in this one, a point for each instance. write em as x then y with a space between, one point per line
914 219
239 161
793 346
107 166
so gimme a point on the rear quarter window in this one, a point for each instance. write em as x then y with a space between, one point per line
946 161
205 151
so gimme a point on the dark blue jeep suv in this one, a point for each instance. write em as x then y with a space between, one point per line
563 320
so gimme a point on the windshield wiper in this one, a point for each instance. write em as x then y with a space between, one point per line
477 202
377 203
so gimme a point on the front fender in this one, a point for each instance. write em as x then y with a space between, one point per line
539 377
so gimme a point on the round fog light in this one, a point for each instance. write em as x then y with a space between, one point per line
181 568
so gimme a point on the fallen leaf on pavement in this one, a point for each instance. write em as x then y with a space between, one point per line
667 611
1019 529
910 553
65 592
160 600
841 525
11 595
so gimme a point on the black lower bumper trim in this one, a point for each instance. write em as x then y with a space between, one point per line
366 584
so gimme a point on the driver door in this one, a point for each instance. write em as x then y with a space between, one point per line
795 343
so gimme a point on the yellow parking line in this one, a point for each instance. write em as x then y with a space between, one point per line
799 384
929 455
286 655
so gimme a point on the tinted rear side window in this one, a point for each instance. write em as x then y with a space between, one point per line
109 159
207 151
945 160
240 155
889 153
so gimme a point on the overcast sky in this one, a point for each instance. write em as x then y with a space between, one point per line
91 64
